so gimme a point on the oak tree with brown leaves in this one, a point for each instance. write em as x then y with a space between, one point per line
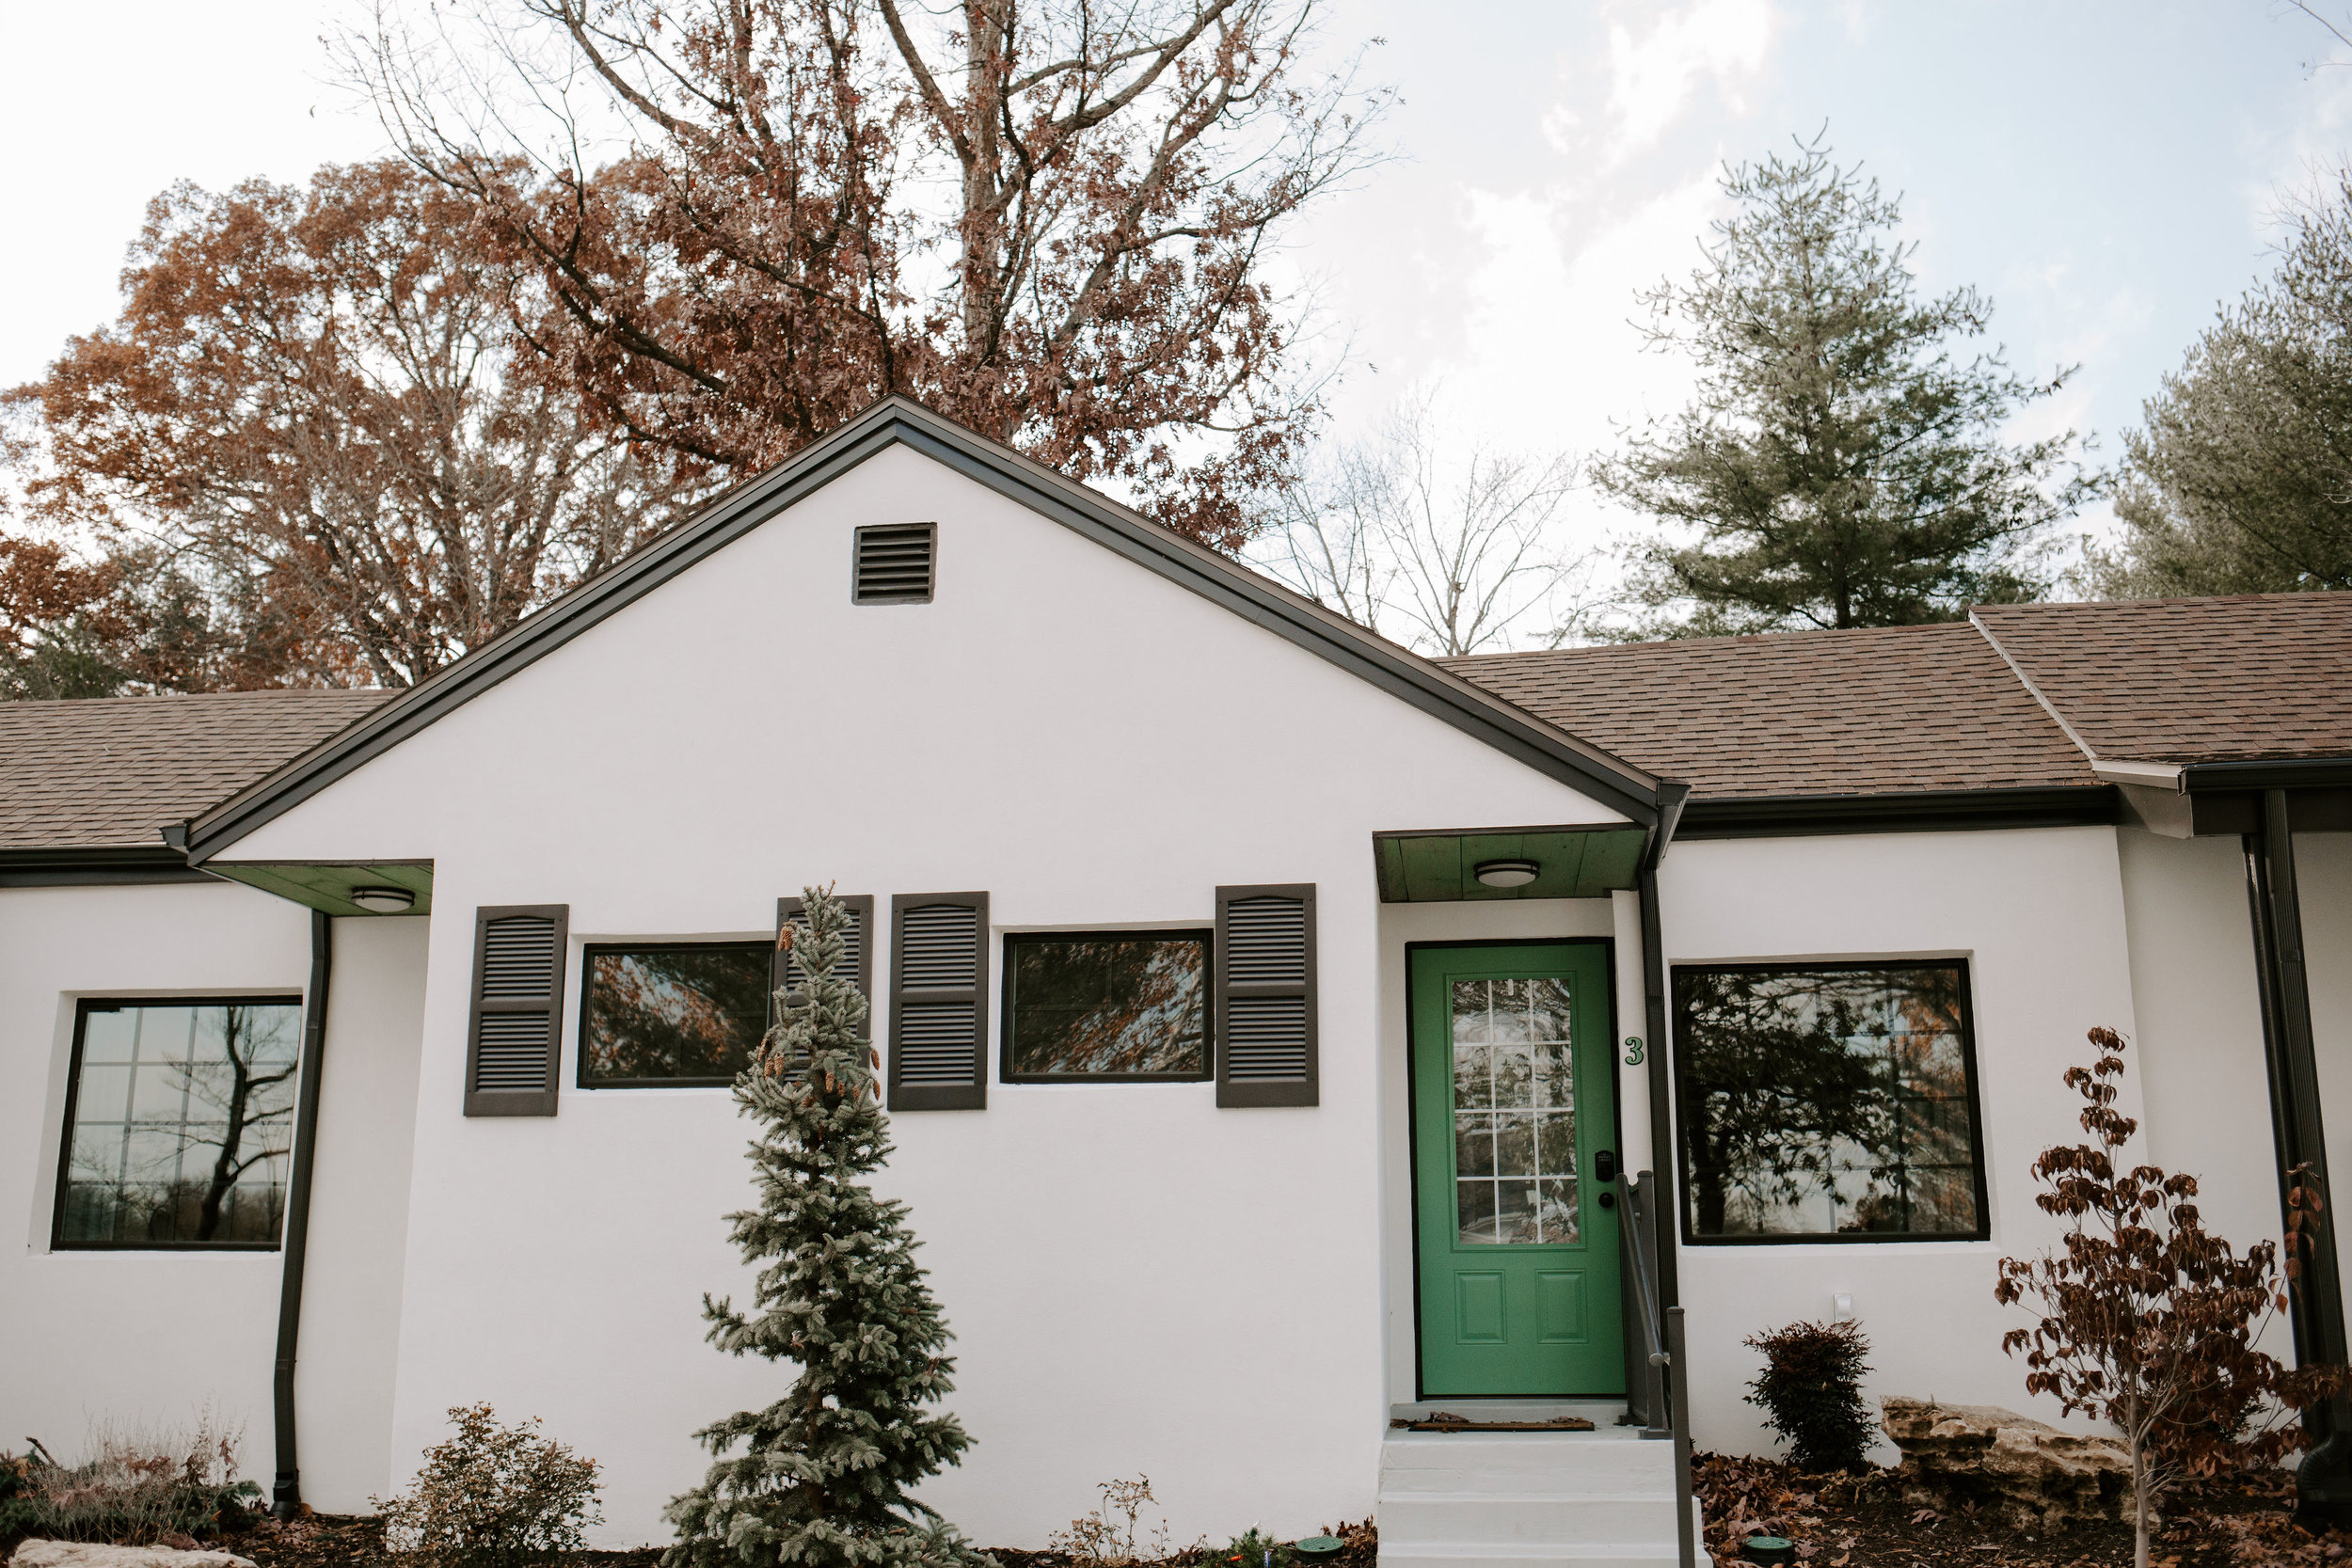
316 415
2147 1321
1049 219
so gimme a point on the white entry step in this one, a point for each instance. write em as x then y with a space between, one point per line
1603 1499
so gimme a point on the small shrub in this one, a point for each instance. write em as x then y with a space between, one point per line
138 1485
493 1496
1108 1537
1811 1393
1249 1549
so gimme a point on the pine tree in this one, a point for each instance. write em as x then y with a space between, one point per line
1840 466
821 1476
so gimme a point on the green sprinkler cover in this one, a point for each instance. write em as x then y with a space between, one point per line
1321 1546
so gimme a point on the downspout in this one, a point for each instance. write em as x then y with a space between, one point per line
286 1495
2323 1481
1667 1196
1669 1203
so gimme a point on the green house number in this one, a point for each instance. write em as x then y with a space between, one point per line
1633 1051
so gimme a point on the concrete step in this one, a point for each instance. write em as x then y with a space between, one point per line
1581 1499
1467 1519
1582 1555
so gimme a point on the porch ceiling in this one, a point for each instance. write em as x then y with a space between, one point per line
328 886
1571 863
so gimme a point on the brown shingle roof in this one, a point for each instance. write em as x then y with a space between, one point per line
1873 711
2235 678
111 771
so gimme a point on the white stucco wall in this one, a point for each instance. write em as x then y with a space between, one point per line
352 1287
1139 1282
2199 1049
140 1338
2039 917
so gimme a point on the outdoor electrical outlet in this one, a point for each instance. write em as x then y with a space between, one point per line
1844 1308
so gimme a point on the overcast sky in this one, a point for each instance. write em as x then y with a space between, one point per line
2106 171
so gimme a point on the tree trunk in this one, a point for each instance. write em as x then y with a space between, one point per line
2140 1504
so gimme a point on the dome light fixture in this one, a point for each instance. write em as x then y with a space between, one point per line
1505 873
384 900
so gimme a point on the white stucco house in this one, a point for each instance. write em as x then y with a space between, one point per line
1275 1020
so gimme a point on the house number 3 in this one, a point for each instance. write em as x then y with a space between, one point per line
1633 1051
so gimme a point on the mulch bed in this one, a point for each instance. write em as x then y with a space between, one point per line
330 1541
1865 1522
1834 1522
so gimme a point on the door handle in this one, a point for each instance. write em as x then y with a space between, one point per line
1605 1164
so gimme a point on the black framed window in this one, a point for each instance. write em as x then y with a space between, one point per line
179 1123
671 1015
1098 1006
1828 1102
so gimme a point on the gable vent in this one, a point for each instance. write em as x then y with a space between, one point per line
894 564
1265 995
938 978
511 1050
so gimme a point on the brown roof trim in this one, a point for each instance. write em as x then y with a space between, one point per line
1605 778
104 866
1917 811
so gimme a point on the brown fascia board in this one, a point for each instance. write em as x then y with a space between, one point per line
898 420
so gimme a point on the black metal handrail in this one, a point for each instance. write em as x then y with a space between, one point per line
1665 1405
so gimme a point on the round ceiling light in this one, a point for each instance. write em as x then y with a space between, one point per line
384 900
1510 873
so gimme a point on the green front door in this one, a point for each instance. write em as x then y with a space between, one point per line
1514 1125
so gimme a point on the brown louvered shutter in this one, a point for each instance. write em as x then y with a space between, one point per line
516 1039
938 1023
857 954
895 564
1265 995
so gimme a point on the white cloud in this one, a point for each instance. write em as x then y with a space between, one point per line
1652 77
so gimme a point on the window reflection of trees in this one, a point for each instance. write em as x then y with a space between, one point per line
663 1014
1127 1007
1826 1102
183 1117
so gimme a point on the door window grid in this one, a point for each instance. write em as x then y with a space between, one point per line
1514 1101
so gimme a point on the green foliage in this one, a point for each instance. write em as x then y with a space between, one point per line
1250 1550
493 1496
2240 479
1811 1392
824 1475
136 1487
1840 466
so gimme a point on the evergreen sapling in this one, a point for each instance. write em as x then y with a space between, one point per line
822 1476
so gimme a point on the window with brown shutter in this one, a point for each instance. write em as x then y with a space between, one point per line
1265 995
938 1027
512 1047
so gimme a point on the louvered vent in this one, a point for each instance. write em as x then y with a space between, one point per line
935 1042
939 951
1265 941
513 1055
518 1010
938 1022
516 956
1266 1039
894 564
1265 995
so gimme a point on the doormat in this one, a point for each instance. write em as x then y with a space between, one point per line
1446 1421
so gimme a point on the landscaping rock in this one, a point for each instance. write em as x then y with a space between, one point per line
2031 1473
84 1554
